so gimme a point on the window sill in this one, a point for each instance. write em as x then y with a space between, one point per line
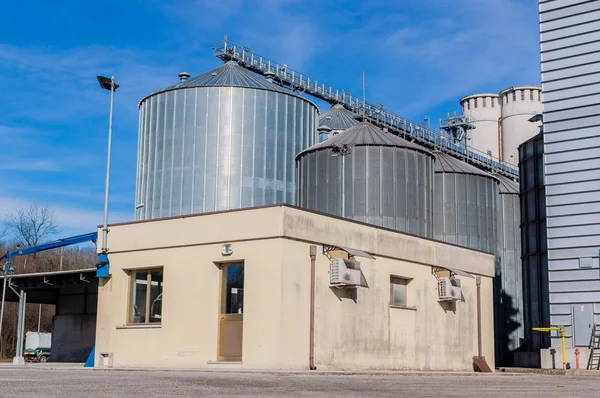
403 307
140 326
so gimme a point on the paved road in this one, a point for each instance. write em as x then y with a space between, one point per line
78 383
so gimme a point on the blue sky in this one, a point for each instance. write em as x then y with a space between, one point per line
419 57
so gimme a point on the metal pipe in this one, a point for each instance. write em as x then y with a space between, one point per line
6 266
21 324
110 117
479 345
311 356
499 140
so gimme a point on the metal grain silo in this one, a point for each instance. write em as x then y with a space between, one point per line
222 140
466 204
367 175
335 121
508 282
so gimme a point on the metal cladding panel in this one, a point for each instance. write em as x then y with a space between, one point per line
508 282
466 210
536 308
206 149
384 186
570 54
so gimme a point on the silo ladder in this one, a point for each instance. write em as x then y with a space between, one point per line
594 359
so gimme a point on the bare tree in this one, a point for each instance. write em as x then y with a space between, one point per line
3 230
30 225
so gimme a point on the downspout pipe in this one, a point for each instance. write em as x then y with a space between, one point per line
479 342
479 363
311 353
499 139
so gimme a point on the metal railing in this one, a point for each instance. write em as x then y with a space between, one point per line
408 129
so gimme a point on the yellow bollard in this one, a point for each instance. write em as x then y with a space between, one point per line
562 336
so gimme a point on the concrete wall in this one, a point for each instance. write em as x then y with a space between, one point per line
74 325
485 137
73 337
519 104
274 245
514 106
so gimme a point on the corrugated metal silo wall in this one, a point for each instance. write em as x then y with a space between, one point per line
218 148
385 186
508 283
465 210
536 289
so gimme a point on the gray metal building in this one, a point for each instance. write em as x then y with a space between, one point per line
570 59
367 175
534 250
508 282
222 140
466 204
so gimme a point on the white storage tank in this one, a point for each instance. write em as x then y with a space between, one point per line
35 340
519 104
485 112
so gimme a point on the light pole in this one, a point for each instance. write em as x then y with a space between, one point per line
107 84
7 268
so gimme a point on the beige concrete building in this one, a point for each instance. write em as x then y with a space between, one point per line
233 289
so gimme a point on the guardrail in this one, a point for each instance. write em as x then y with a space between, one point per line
397 124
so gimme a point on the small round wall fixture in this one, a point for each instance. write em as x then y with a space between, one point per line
227 249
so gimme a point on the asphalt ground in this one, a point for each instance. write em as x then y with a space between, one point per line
64 383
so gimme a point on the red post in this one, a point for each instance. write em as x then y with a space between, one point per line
577 352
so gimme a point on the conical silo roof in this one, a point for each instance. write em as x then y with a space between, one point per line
507 186
445 163
365 134
337 118
228 75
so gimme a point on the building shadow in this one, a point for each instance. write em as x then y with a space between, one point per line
508 341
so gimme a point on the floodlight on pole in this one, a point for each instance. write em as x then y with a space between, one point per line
107 84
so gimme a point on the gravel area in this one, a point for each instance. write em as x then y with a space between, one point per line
36 382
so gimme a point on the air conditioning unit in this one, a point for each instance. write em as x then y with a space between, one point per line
449 289
344 272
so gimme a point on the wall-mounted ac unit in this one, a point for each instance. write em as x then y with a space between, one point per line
344 272
449 289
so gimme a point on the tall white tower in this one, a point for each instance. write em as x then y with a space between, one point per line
519 104
484 111
502 120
